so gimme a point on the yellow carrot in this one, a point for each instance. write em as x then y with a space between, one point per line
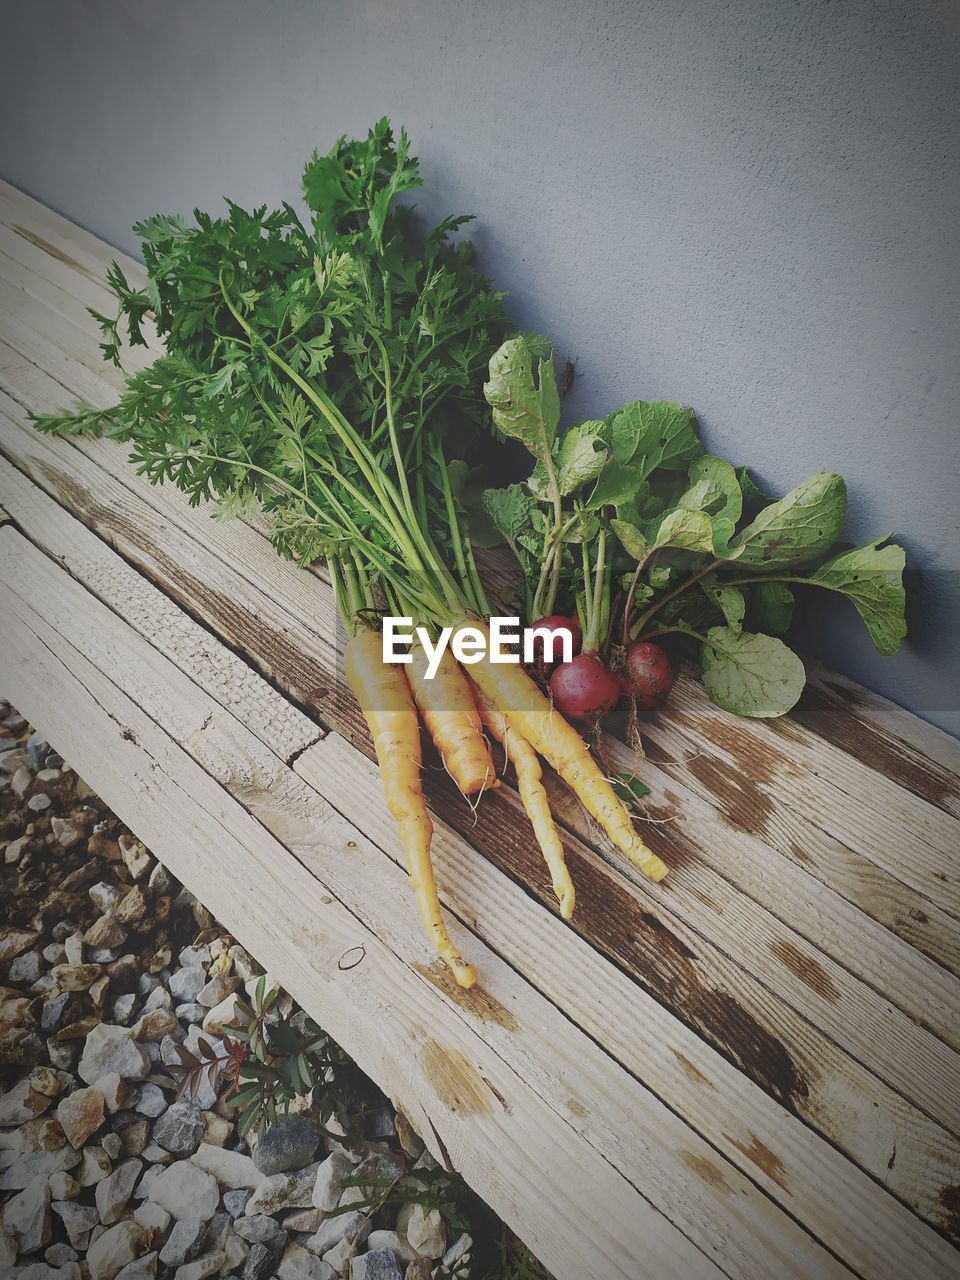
533 715
387 704
534 797
450 713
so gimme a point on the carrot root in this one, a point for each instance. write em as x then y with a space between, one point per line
535 800
387 703
450 713
534 717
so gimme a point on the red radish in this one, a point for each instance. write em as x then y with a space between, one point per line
555 623
584 688
650 674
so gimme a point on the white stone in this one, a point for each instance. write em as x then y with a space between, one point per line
73 948
208 1265
186 984
222 1016
144 1268
345 1226
95 1167
111 1252
114 1192
135 857
339 1257
44 1271
21 1104
284 1191
185 1191
423 1229
28 1216
298 1264
332 1171
155 1154
35 1164
306 1220
63 1186
146 1182
78 1219
457 1251
152 1102
195 957
108 1048
58 1255
217 990
234 1255
152 1217
392 1240
232 1169
117 1094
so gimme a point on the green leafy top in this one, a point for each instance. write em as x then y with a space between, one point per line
631 511
329 374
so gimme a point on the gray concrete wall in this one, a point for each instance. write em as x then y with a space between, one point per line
748 205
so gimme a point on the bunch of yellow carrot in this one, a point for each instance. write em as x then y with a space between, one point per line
455 707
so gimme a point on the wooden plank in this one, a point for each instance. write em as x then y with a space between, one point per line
34 255
36 286
843 1100
803 1173
905 835
78 381
785 964
735 798
214 668
934 880
31 299
63 240
613 1113
876 892
385 1015
878 733
22 314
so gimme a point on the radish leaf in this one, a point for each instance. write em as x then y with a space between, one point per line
800 527
751 675
524 408
871 577
654 434
773 607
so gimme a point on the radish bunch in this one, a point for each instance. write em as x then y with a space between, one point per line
586 688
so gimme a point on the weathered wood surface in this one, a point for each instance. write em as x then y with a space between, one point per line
766 1040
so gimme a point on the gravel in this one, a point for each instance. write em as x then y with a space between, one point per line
110 1169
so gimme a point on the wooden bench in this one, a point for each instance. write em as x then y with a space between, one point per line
749 1070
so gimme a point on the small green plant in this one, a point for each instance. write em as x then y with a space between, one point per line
512 1261
275 1056
270 1059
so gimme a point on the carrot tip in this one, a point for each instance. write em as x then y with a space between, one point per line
465 974
654 868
